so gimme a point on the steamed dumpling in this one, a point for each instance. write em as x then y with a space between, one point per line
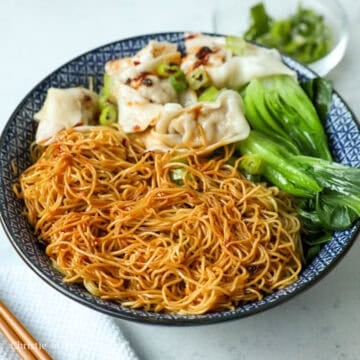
205 125
140 72
64 109
226 69
145 61
136 112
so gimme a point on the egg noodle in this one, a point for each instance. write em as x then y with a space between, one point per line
114 220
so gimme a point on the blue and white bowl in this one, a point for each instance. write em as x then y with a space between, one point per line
344 137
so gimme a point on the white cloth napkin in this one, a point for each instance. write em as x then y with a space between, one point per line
67 330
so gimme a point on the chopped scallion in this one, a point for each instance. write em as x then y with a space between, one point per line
198 79
178 81
108 115
165 70
235 44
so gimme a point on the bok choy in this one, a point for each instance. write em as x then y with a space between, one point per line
278 105
277 165
289 146
330 191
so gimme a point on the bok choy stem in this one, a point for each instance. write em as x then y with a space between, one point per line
277 104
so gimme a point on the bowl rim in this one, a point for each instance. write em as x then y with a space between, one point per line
143 316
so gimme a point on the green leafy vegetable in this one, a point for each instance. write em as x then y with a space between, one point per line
260 22
332 189
336 211
319 91
338 206
312 252
278 105
166 70
304 35
277 165
326 237
313 245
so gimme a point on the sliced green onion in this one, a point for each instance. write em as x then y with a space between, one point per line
106 89
177 175
108 115
303 35
252 164
106 98
165 70
210 94
235 44
178 81
105 101
198 79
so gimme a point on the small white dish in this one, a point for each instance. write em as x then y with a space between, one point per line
234 19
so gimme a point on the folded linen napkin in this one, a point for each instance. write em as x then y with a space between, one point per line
67 330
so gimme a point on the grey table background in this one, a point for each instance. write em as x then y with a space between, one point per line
322 323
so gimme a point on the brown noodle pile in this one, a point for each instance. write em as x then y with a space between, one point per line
114 220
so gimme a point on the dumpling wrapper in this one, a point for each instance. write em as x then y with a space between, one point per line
256 63
156 90
146 60
136 113
205 125
64 109
131 71
228 70
195 42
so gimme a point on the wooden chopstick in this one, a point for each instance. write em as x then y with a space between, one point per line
21 340
15 341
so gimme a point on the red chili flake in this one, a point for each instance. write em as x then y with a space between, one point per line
203 52
137 62
136 128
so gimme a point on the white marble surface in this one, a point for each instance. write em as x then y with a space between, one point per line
322 323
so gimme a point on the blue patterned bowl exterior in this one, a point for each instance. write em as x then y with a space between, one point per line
341 126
